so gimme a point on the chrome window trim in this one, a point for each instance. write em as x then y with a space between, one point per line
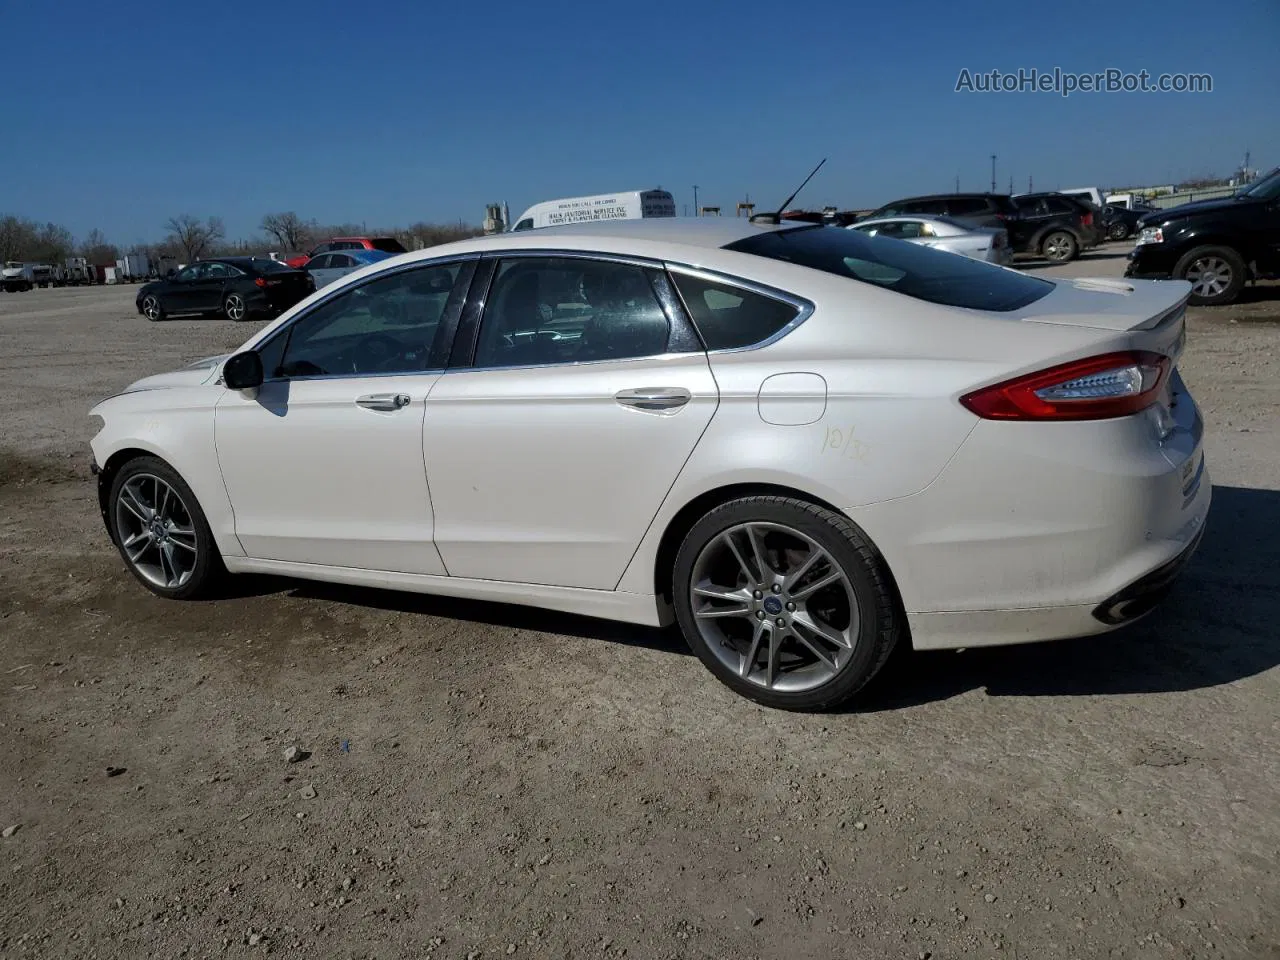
572 363
804 308
555 253
353 376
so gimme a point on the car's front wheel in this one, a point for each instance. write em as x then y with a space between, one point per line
1216 275
161 531
1118 230
785 602
152 308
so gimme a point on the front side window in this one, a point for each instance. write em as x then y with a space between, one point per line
193 272
218 271
568 310
912 269
728 317
322 262
384 326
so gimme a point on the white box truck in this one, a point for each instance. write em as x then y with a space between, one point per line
630 205
133 267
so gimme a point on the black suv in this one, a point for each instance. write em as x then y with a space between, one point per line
983 209
1216 245
1055 226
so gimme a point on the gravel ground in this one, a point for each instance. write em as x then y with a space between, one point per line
485 781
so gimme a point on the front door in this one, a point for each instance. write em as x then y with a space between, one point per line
324 464
550 451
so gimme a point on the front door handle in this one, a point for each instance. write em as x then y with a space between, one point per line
383 401
654 398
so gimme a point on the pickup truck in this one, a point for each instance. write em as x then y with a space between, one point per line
1216 245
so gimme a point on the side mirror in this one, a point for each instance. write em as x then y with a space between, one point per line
243 371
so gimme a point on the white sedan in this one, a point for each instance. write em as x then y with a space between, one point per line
804 444
943 233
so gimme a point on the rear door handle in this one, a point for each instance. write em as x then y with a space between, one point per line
654 398
383 401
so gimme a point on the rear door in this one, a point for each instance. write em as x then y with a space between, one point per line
572 404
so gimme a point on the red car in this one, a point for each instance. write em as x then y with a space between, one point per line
385 244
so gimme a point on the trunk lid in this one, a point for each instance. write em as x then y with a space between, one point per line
1106 303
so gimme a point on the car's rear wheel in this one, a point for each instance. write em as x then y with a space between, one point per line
785 602
234 307
1059 247
161 531
152 308
1216 275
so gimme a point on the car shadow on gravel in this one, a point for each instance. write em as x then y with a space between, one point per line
509 615
1217 626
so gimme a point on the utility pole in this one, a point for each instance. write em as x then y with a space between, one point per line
695 200
1011 184
1029 187
993 173
957 183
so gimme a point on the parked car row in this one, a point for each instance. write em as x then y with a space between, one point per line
1049 225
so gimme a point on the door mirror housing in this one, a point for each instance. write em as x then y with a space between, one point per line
243 371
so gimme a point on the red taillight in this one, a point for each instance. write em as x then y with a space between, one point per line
1112 385
260 282
1087 220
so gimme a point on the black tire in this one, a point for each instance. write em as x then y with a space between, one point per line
1118 231
153 308
1059 246
881 625
235 307
207 570
1217 275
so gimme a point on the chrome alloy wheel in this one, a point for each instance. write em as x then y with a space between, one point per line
151 307
1058 247
235 307
1209 276
774 606
156 531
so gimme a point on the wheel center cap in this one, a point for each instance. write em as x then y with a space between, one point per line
772 605
157 530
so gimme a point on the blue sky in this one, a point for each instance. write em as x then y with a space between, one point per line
118 116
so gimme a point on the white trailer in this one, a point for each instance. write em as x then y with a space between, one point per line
630 205
134 267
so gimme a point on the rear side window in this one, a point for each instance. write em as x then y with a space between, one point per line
967 206
387 245
1062 205
1031 208
910 269
729 317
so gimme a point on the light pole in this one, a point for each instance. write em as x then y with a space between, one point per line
993 173
695 200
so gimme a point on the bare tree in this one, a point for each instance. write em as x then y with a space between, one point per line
288 229
97 250
16 235
194 237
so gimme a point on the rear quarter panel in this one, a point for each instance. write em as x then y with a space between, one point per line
890 421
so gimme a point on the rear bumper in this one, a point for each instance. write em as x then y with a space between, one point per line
1043 532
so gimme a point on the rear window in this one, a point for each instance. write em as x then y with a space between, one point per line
387 245
728 317
907 268
271 266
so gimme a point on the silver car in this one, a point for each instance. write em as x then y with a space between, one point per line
328 267
943 233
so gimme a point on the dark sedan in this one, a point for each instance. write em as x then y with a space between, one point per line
237 287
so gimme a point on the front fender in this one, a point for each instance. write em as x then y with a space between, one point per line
177 426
